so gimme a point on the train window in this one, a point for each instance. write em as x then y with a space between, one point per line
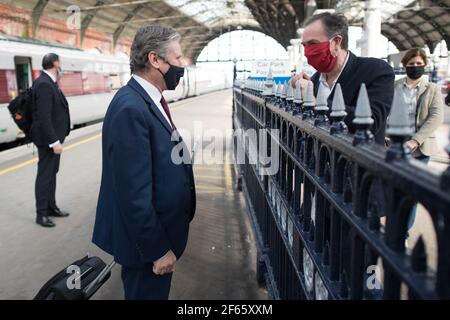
23 73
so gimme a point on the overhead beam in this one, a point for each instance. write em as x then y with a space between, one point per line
87 20
436 26
36 15
119 30
399 44
407 37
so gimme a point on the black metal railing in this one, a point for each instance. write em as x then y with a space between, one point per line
339 204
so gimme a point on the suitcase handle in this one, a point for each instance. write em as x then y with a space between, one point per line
99 278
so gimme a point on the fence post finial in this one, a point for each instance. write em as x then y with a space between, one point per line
268 85
274 89
338 112
284 94
278 94
289 97
399 130
445 179
308 101
321 107
363 118
297 98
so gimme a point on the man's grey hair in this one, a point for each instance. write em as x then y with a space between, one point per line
150 38
334 24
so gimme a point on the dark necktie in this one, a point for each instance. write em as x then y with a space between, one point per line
166 110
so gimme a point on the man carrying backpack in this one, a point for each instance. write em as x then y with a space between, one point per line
49 128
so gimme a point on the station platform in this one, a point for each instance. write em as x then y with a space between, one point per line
220 259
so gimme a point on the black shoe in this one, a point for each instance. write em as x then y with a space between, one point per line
44 221
57 213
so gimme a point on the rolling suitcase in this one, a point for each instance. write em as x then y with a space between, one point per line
78 281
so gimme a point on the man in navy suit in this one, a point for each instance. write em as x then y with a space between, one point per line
147 192
50 126
325 41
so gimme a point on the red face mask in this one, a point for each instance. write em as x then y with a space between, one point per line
319 56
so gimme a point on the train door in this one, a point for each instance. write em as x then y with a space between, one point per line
24 73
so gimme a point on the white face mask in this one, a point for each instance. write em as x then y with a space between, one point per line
59 73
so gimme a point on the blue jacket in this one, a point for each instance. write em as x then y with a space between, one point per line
146 200
378 76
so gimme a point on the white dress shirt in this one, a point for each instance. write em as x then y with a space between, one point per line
409 94
323 78
153 93
52 76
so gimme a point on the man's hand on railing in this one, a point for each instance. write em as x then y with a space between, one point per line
304 79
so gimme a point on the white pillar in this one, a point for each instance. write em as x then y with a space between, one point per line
296 44
370 42
301 57
290 50
448 65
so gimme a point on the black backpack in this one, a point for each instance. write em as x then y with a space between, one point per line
21 109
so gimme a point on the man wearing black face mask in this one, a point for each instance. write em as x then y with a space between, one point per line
51 125
147 196
172 76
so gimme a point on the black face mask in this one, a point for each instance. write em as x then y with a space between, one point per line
415 72
172 76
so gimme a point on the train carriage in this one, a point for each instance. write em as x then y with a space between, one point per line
89 81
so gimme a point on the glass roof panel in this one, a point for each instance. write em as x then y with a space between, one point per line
216 13
354 9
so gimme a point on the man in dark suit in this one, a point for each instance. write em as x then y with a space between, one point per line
50 126
147 192
325 40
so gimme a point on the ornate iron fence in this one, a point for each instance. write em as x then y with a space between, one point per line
331 223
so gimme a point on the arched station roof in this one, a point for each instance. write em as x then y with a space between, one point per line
406 23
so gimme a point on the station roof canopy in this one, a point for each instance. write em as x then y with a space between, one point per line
406 23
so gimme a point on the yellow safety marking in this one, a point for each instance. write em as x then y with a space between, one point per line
35 159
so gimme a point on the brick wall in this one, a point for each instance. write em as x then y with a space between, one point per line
16 21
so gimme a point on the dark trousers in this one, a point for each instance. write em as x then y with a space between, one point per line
143 284
45 187
412 217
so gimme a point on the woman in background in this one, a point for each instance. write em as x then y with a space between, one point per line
425 108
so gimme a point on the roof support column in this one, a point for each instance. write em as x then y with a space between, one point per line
297 52
36 15
448 65
370 41
290 50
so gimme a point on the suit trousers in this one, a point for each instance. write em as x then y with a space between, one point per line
45 187
143 284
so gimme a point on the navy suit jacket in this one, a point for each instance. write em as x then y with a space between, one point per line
51 117
146 200
378 76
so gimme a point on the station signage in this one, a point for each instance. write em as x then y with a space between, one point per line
280 68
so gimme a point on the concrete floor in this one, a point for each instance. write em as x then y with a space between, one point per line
219 262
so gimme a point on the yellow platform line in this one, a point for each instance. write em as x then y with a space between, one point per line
35 159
